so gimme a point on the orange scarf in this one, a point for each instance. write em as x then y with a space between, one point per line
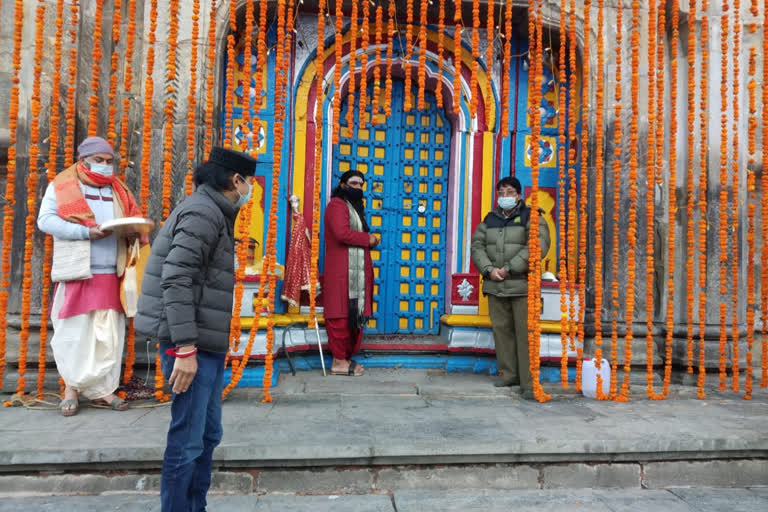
71 204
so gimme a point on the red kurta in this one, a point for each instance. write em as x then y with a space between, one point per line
338 237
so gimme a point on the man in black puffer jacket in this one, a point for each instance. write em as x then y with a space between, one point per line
186 306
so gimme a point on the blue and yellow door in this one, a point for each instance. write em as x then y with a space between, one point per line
405 158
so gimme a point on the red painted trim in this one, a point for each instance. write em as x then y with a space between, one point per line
477 179
309 155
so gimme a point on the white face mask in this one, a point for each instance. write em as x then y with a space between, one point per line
507 203
243 199
103 169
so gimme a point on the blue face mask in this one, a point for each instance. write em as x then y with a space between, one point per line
243 199
507 203
103 169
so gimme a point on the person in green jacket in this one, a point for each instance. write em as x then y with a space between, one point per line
500 253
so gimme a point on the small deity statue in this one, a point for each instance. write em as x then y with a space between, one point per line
298 261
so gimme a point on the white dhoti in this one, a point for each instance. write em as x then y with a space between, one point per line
88 348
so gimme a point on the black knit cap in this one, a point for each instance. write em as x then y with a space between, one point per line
232 161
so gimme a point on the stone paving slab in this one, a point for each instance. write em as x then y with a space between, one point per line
400 417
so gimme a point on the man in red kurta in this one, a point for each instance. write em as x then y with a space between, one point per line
348 278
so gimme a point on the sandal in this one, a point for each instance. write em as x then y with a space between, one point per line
350 370
117 404
69 407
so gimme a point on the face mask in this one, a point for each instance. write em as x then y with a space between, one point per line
243 199
354 194
103 169
507 203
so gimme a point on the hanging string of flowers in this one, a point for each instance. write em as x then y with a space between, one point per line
69 138
261 60
702 221
127 86
353 30
672 199
617 137
689 196
572 181
170 106
377 64
456 56
32 179
562 87
93 101
112 109
736 171
364 65
407 103
388 75
440 51
230 91
209 79
534 277
53 137
473 89
722 231
506 67
192 96
764 217
422 54
337 48
490 33
752 127
146 131
10 189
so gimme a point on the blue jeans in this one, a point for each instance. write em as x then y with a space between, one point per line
194 432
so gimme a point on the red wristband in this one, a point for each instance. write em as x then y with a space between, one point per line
172 352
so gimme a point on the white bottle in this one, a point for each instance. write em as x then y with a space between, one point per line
589 373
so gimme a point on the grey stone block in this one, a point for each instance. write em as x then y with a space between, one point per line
461 477
500 501
716 473
605 476
323 481
716 500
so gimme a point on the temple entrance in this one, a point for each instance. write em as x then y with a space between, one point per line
405 159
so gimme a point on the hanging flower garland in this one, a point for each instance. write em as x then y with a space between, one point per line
440 52
422 55
53 137
764 215
127 90
752 127
352 89
617 138
572 182
689 196
723 224
702 221
231 64
93 101
506 68
192 96
146 131
69 138
375 102
407 102
209 79
456 56
562 87
170 106
113 75
261 61
388 75
736 171
473 89
490 31
364 65
337 48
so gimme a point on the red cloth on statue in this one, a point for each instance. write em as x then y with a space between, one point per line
297 263
338 237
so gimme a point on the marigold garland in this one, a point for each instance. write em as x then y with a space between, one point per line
764 214
752 127
364 66
113 75
736 171
702 199
617 138
440 52
506 68
689 196
422 73
723 224
230 91
160 396
93 101
352 88
562 87
473 88
127 92
69 138
388 75
337 49
192 96
146 131
572 183
170 106
209 79
456 56
375 102
261 60
490 32
407 102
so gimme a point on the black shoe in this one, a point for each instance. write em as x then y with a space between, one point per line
527 395
502 383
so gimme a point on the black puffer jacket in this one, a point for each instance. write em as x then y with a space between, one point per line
186 295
